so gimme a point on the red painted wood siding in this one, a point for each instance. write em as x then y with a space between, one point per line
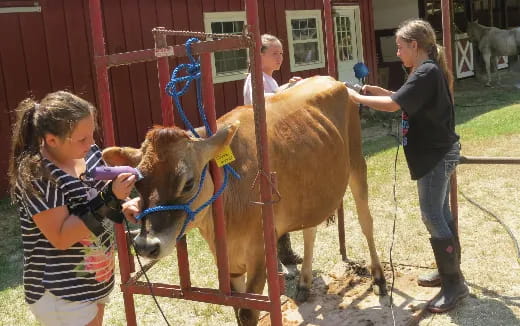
52 50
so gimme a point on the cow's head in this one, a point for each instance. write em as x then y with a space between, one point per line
171 162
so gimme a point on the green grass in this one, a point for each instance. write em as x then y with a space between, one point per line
483 115
503 121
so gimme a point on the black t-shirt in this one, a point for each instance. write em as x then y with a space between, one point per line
428 118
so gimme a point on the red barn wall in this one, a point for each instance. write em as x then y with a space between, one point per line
51 50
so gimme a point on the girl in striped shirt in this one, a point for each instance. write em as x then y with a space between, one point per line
67 222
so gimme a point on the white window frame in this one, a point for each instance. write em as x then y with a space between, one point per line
213 17
20 6
302 14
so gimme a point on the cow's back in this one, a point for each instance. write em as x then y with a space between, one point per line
307 128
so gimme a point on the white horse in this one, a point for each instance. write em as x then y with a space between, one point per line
493 43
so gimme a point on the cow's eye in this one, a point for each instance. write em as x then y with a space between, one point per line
188 185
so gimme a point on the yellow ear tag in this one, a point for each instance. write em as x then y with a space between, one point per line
224 157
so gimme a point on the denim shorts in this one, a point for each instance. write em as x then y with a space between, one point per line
52 310
434 195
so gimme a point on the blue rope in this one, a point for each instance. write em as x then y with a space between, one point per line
193 73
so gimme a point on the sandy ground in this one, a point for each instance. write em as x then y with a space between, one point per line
344 296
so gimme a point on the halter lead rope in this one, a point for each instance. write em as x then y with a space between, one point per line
192 73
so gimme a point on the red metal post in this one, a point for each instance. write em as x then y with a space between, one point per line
329 39
263 158
103 88
447 43
163 69
163 75
183 264
446 31
216 173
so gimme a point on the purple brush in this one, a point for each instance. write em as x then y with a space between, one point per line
111 172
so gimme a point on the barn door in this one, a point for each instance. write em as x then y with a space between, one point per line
349 48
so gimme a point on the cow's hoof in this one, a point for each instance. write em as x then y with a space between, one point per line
302 294
247 317
379 287
488 85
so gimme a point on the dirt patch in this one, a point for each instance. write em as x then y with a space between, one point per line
344 296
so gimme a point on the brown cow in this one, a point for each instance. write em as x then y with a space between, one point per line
315 148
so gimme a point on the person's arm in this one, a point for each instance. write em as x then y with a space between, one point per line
60 228
380 103
375 90
64 227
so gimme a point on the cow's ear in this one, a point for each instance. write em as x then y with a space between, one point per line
115 156
211 146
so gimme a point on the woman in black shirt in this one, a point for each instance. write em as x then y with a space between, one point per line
431 148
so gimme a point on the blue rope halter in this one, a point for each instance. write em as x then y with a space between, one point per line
192 73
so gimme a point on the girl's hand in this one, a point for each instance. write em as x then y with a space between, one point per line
123 185
353 95
131 209
295 79
367 90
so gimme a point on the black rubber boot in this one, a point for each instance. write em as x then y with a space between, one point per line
433 279
453 288
285 253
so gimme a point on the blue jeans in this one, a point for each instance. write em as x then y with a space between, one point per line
434 196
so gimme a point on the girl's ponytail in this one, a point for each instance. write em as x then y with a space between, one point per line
440 57
57 114
24 163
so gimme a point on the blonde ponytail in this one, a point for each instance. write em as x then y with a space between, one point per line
440 58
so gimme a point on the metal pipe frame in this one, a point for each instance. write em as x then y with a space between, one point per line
488 160
161 53
271 256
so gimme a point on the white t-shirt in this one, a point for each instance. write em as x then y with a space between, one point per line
270 87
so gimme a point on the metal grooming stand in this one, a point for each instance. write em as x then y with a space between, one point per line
131 285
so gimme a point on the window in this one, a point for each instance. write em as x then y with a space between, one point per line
304 30
7 6
227 65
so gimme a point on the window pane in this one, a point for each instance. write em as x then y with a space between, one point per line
216 28
304 29
219 66
313 33
296 34
230 64
228 27
344 38
306 53
238 26
232 61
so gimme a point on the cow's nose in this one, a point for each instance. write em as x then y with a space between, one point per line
147 246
